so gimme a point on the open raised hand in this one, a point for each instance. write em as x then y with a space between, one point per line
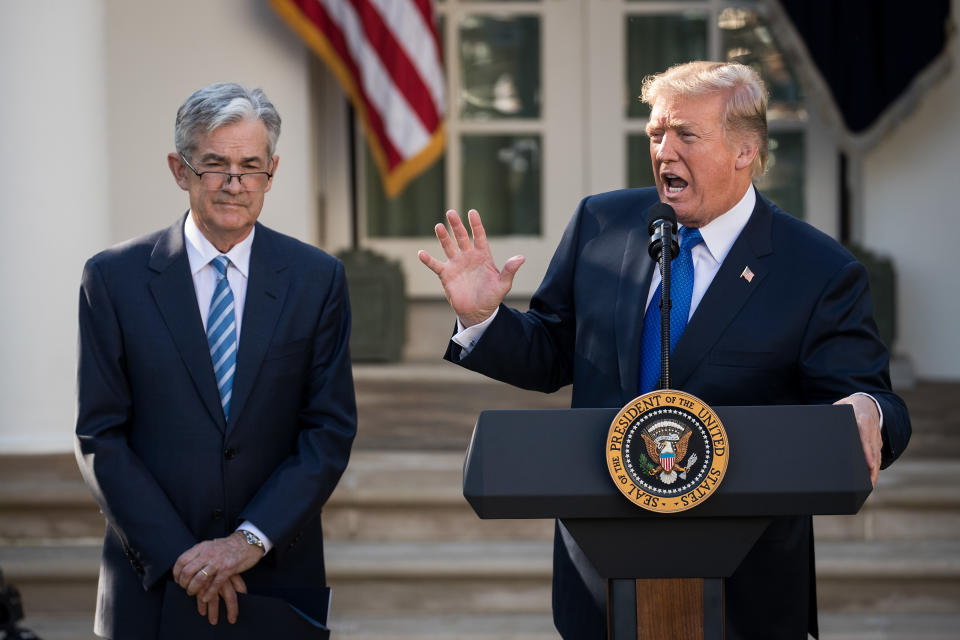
471 281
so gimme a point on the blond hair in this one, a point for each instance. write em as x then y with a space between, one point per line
746 107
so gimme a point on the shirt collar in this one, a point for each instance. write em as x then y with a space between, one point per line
201 251
720 234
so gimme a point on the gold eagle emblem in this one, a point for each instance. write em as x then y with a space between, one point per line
667 447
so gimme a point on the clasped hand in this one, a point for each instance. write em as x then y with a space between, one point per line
473 285
211 570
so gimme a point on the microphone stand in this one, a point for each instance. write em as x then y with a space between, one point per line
666 302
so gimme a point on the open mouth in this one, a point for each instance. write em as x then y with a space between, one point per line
673 183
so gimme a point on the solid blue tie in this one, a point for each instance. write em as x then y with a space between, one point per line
681 289
222 333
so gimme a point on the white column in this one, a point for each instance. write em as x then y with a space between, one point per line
54 209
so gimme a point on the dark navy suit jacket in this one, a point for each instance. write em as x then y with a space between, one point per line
165 467
800 331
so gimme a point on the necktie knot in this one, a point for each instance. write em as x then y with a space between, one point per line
220 263
689 238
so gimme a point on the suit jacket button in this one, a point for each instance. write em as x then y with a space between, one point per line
217 514
230 454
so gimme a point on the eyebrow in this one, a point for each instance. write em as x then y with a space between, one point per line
214 157
673 124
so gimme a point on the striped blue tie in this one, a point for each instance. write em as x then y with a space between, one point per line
681 290
222 333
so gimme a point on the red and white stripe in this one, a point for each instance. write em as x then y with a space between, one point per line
386 54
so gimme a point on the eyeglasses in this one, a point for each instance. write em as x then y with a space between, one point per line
216 180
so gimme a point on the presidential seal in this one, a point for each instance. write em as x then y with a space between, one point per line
667 451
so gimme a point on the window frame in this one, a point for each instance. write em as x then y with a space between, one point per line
583 133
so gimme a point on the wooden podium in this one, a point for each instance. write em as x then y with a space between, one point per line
551 464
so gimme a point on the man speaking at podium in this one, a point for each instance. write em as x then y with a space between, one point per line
779 313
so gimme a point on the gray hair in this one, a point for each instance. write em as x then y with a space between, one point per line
221 104
746 108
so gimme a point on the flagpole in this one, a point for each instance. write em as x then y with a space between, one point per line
352 159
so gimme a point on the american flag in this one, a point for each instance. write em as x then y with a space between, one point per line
386 56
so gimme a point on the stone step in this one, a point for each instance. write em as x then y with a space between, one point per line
409 496
925 626
833 626
58 578
885 576
441 577
935 416
64 627
380 491
447 627
524 627
527 627
384 578
914 500
43 497
432 407
398 627
382 496
368 577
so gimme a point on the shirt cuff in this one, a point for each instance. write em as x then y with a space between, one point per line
467 337
879 410
252 528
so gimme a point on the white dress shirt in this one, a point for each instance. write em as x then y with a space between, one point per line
200 252
718 238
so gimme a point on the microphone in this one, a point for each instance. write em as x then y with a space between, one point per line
662 222
662 225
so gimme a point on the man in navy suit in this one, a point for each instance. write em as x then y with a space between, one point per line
215 397
779 314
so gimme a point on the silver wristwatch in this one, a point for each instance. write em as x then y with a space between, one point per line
252 539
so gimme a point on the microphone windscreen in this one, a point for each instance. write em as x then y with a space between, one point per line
661 211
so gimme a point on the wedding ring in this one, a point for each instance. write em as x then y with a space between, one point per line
203 571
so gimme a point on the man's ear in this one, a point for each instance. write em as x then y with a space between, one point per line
747 151
179 170
274 165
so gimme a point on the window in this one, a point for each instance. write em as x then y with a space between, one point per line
655 41
507 110
543 109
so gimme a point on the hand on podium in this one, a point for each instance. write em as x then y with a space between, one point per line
868 423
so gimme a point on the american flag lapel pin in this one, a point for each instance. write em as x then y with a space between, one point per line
747 274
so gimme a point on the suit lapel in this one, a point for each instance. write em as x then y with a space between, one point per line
726 295
635 273
266 290
174 293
